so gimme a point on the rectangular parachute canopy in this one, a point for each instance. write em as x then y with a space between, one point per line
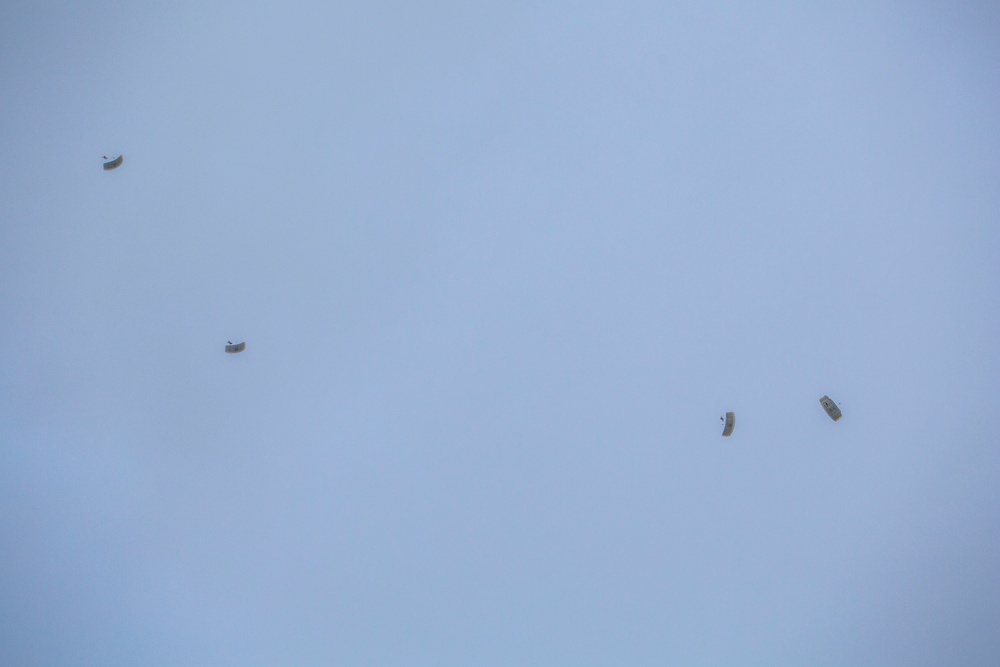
233 348
114 164
831 408
730 424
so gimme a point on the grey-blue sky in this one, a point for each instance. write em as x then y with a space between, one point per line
500 269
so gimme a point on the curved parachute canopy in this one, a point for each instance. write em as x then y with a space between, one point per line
730 424
114 164
233 348
831 408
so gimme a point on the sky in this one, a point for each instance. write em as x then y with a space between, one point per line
500 268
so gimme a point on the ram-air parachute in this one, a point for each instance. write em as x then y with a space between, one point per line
730 420
831 408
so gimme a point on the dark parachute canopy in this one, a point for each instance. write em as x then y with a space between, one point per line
112 164
730 424
234 348
831 408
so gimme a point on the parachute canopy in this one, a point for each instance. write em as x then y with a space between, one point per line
730 424
114 164
233 348
831 408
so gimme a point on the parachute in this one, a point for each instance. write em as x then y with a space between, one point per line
113 164
831 408
234 348
730 424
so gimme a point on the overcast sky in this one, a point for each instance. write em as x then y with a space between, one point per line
500 269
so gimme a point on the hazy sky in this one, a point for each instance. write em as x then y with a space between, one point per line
500 268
